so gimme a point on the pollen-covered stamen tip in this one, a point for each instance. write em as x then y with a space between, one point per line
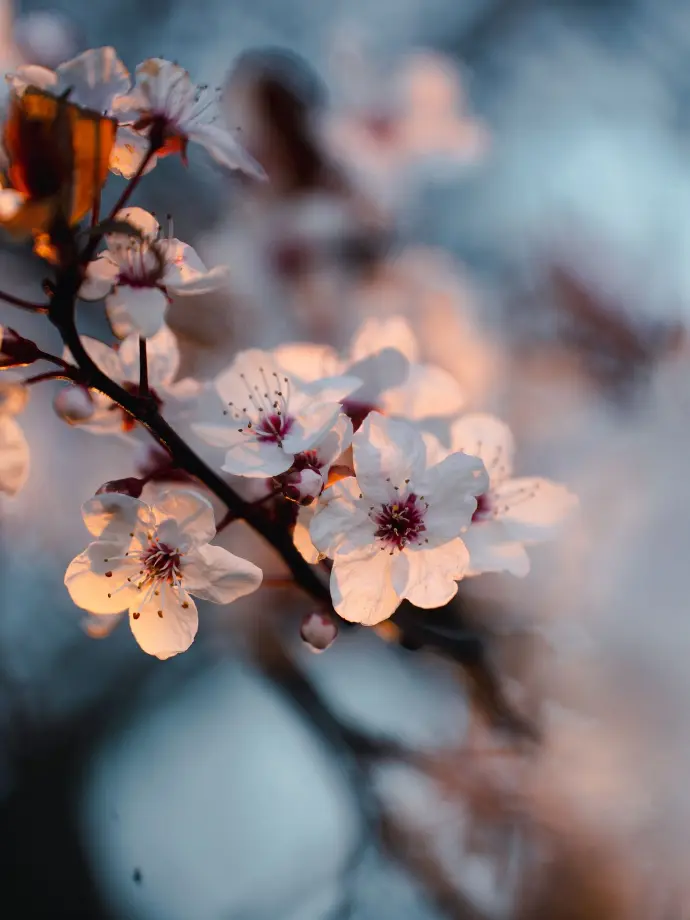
160 564
269 404
401 522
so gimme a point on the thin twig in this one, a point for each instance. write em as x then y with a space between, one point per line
143 368
23 304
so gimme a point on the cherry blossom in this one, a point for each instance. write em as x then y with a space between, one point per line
308 475
150 560
169 110
138 276
271 418
513 512
98 414
384 354
394 531
318 631
14 450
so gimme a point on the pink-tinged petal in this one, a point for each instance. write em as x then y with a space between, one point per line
532 509
361 587
14 456
306 361
386 454
450 488
301 536
191 511
164 85
330 389
214 574
491 551
310 427
225 149
165 625
218 435
489 438
10 203
101 275
98 593
249 368
377 333
100 626
334 443
378 372
103 356
140 310
113 516
429 392
128 153
250 457
341 523
162 353
428 577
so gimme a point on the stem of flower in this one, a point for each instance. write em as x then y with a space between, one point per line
51 375
23 304
143 368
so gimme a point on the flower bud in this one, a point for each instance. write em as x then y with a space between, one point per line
130 486
318 631
303 486
74 404
15 350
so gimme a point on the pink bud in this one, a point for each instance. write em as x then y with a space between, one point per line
318 631
15 350
74 404
129 486
303 486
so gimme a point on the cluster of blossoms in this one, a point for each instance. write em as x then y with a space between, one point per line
344 447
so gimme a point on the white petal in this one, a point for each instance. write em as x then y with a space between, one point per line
98 593
32 75
487 437
385 449
450 488
341 522
162 353
427 578
171 633
14 456
224 148
103 356
128 152
205 283
532 509
164 85
301 536
101 275
140 219
311 426
429 392
491 551
361 587
250 368
378 372
139 309
11 203
216 575
331 389
216 435
100 626
334 443
252 457
191 511
113 516
96 77
306 361
391 332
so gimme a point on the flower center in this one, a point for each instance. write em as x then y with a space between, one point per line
485 508
161 563
140 267
400 523
271 429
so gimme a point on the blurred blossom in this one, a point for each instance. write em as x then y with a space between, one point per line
14 449
45 37
318 631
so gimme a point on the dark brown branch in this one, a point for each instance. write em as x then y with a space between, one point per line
23 304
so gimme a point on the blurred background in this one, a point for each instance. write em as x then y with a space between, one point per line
513 176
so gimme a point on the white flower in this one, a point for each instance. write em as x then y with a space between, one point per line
14 450
384 354
308 475
513 512
95 412
394 531
150 560
167 106
271 419
137 276
94 79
